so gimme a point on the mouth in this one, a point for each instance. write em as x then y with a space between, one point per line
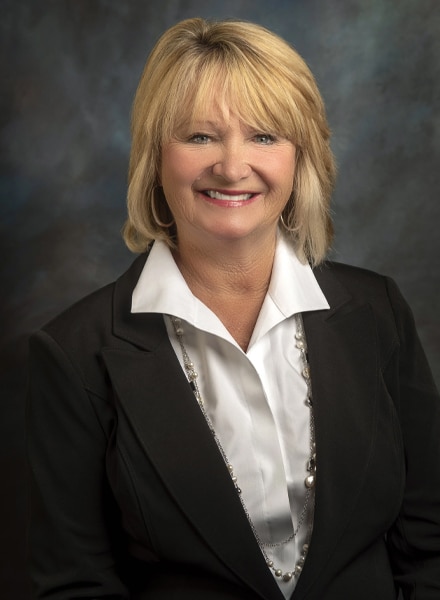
229 198
214 195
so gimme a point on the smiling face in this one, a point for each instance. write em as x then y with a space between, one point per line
224 180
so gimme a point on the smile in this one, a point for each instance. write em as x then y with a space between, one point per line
229 199
232 197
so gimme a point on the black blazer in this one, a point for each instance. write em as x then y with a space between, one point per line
130 496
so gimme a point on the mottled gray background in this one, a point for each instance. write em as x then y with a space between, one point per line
69 72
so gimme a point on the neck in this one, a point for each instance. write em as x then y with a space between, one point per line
231 280
232 268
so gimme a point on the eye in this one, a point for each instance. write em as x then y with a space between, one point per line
199 138
265 139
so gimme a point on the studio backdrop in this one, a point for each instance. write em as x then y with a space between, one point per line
69 73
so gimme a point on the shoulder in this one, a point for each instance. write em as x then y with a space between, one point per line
73 341
70 344
95 308
366 287
363 285
350 275
85 321
92 315
81 331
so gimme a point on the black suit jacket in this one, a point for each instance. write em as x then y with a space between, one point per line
131 498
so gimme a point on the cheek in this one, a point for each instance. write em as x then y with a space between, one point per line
280 170
177 181
169 166
289 177
282 179
180 176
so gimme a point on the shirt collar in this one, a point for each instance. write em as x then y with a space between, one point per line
293 289
161 288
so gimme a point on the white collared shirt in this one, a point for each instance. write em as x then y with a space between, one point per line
255 400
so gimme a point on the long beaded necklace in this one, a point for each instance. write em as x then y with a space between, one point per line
310 479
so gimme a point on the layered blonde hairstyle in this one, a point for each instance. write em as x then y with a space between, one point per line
262 80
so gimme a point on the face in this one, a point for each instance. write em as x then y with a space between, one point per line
225 181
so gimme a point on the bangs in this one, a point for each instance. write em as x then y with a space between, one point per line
266 103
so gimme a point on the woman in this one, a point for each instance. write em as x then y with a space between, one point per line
176 450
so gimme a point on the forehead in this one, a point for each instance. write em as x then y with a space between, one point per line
219 105
212 112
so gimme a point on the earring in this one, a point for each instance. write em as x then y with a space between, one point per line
289 205
156 218
286 227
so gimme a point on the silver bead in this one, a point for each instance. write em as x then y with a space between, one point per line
298 569
306 373
269 563
278 573
309 481
287 576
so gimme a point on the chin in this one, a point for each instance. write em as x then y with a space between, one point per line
234 234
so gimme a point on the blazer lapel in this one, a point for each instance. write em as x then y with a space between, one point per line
161 407
343 364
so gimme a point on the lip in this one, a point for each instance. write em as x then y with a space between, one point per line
229 201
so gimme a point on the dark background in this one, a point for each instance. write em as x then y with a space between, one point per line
69 72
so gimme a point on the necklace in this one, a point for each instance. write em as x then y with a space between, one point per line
309 481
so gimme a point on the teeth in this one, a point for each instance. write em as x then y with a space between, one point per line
217 196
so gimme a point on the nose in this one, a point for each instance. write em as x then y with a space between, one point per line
232 162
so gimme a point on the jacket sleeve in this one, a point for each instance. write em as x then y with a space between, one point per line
70 545
414 541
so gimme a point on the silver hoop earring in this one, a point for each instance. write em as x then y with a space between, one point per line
156 218
290 230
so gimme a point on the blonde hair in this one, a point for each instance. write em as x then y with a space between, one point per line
267 84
